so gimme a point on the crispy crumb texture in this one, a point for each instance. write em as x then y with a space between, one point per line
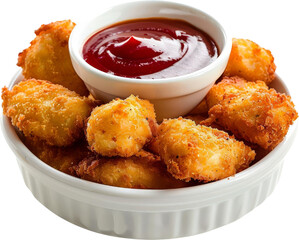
250 61
257 114
46 111
145 171
202 153
121 127
48 57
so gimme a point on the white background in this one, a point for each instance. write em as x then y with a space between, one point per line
272 24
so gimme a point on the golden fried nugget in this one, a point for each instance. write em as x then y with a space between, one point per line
231 85
262 117
121 127
60 158
153 145
146 172
48 57
227 85
46 111
198 152
250 61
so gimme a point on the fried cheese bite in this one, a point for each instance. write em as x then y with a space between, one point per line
48 57
250 61
227 86
223 89
143 172
121 127
261 117
47 111
61 158
202 153
231 85
153 145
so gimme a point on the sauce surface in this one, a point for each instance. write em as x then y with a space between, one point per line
151 48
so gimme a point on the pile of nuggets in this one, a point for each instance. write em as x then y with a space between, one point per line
121 144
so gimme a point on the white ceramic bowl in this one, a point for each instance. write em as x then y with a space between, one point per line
172 97
149 214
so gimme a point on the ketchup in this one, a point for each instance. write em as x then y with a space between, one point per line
150 48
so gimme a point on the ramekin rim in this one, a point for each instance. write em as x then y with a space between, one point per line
75 54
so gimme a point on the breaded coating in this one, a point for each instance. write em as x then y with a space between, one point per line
61 158
250 61
48 57
153 146
145 172
121 127
202 153
198 119
261 117
231 85
47 111
201 108
226 86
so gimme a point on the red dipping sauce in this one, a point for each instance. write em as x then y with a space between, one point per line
150 48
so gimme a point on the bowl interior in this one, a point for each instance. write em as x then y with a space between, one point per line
148 200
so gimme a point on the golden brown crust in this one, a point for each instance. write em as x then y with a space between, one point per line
225 86
262 116
61 158
121 127
143 172
48 57
231 85
250 61
46 111
198 152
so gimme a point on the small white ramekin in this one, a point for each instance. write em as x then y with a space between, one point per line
151 214
172 97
